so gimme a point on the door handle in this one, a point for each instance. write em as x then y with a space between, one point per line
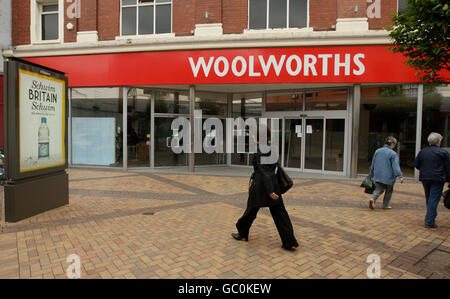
168 140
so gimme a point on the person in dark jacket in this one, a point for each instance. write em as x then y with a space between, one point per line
433 163
264 191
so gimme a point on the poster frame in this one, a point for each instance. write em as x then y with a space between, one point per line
12 119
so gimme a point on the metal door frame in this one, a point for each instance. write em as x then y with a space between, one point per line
324 116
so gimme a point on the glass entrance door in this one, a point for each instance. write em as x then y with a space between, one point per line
138 127
293 136
314 144
164 156
334 144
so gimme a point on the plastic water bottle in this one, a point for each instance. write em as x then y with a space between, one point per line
43 139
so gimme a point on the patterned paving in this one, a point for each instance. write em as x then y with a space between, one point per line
141 225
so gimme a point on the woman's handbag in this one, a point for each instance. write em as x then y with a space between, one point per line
368 184
446 196
284 180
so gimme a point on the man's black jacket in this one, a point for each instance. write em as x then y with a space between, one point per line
433 163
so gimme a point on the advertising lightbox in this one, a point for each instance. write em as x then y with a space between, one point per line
35 120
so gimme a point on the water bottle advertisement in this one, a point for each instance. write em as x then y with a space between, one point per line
42 123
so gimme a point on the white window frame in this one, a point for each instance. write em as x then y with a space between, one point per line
36 21
154 4
42 13
267 17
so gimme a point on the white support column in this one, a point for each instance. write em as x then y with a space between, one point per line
229 115
348 133
152 131
125 128
191 154
355 129
69 128
419 124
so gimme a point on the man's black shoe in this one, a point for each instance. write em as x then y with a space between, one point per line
239 237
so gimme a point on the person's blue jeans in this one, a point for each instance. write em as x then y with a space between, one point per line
433 193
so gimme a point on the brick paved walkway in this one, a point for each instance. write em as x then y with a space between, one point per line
186 232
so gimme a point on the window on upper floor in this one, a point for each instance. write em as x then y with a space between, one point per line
46 21
49 21
140 17
401 6
267 14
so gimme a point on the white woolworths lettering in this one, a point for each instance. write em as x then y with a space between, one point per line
357 61
338 64
251 68
310 61
243 66
201 63
289 65
226 66
325 58
239 65
271 61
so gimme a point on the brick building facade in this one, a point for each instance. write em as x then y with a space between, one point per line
103 16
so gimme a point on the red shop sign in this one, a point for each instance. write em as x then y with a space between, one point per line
342 64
